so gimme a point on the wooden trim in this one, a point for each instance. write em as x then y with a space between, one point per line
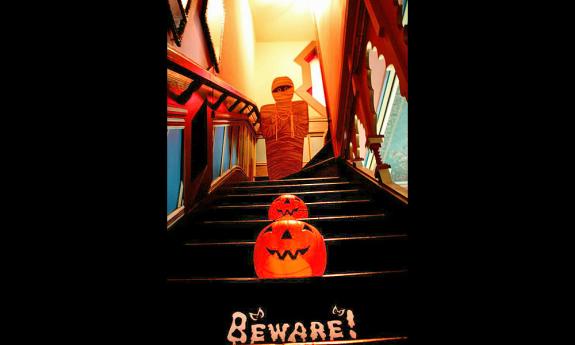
224 148
348 342
177 111
396 190
219 102
233 119
329 275
353 35
327 240
176 215
179 63
223 179
185 95
317 164
325 88
387 34
306 78
207 78
374 9
233 106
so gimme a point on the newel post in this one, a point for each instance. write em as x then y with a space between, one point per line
382 169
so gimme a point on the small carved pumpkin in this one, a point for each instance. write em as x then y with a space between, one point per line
289 248
287 205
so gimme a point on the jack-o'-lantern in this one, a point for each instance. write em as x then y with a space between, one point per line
289 248
287 205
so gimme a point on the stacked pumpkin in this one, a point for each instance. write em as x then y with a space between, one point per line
289 247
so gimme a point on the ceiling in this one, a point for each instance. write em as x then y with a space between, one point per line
286 20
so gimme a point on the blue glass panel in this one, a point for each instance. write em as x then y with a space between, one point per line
380 111
226 158
174 166
235 146
366 160
394 148
404 6
218 142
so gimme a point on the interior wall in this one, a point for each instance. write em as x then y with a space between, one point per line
329 17
193 44
238 48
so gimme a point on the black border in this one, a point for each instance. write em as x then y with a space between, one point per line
90 265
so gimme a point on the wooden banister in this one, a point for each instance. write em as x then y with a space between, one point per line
183 65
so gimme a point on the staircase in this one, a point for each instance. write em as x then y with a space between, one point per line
210 268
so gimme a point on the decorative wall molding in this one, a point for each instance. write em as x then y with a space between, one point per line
236 173
302 91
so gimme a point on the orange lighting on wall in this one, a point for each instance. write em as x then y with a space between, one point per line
314 6
318 7
215 17
317 81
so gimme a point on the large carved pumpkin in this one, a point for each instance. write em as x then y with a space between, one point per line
289 248
287 205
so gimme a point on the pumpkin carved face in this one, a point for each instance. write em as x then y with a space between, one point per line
287 205
289 248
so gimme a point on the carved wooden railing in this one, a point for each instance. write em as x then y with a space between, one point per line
369 23
238 102
198 101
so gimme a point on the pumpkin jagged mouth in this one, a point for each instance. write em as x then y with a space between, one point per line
286 212
288 252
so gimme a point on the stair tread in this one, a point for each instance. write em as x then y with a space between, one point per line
290 180
236 258
316 203
306 196
329 239
257 210
364 229
380 303
246 230
293 185
183 279
309 219
305 192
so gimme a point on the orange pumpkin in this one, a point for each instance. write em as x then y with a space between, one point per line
287 205
289 248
